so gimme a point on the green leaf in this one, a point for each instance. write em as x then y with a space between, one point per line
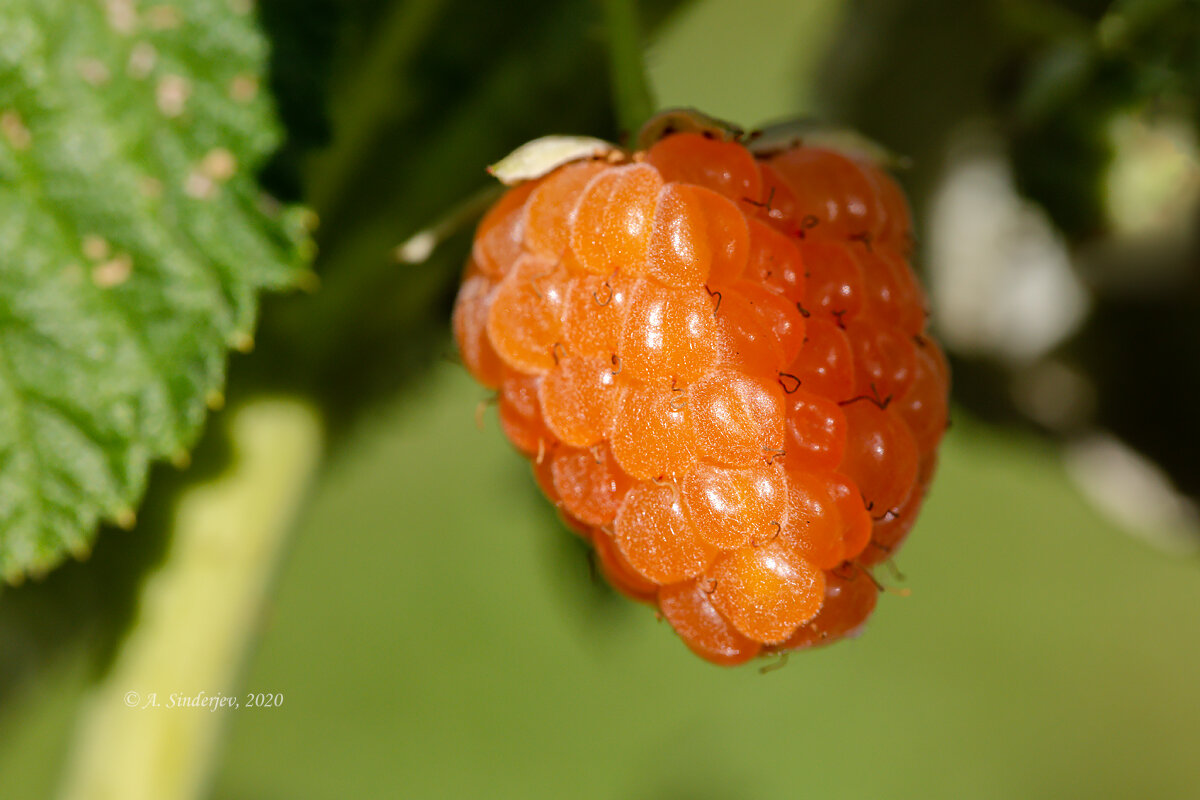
133 243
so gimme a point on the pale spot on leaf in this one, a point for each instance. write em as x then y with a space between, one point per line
199 185
219 164
14 130
94 247
122 15
172 95
163 18
113 272
93 71
142 59
243 88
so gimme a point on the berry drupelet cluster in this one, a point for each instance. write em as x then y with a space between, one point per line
716 361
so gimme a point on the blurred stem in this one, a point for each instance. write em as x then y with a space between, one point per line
197 615
631 90
417 248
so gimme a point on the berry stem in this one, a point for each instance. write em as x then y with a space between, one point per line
632 99
417 248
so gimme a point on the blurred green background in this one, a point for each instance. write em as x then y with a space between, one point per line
436 633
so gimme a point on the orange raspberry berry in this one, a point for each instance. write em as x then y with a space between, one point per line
815 431
835 279
551 207
708 634
745 339
667 333
579 399
543 472
731 507
896 229
890 529
656 537
923 406
847 605
736 418
856 519
724 167
781 316
776 262
717 364
501 232
881 455
725 233
825 364
620 574
777 202
521 415
834 197
589 483
595 313
767 592
652 435
885 359
571 523
612 224
813 525
525 319
680 253
894 295
470 330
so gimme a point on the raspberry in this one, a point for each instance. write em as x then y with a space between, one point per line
847 604
716 361
589 483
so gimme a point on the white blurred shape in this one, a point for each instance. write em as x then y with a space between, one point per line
1134 491
417 249
1001 275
